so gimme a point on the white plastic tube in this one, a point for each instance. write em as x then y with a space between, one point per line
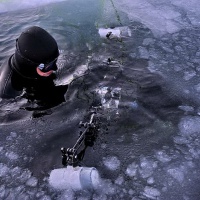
79 178
117 32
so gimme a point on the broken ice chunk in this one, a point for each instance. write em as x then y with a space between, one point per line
151 193
111 163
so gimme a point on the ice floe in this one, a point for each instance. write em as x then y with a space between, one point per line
147 167
189 125
132 169
111 162
177 174
151 193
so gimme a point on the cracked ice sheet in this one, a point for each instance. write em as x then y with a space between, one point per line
6 6
192 5
161 18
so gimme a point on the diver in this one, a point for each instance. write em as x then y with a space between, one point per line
30 71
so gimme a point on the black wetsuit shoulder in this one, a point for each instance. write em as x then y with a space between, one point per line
10 87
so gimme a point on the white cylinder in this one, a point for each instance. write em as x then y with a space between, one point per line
78 178
117 32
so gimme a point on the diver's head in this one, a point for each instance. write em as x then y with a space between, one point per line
36 53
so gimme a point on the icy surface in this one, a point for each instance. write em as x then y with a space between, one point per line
131 170
32 182
147 167
177 174
163 157
3 170
11 5
150 180
189 125
12 155
186 108
151 193
162 17
119 180
152 150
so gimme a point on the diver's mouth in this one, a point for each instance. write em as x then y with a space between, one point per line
44 74
46 70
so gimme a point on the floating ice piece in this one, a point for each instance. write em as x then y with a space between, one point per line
189 125
182 142
150 180
177 174
109 97
4 170
40 194
148 41
32 182
67 194
111 163
80 71
13 134
10 107
24 176
131 169
151 193
119 180
118 32
134 104
189 75
186 108
162 156
2 191
46 197
13 106
143 52
147 167
12 156
107 187
78 178
197 87
134 198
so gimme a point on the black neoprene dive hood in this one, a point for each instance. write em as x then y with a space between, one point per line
33 47
31 66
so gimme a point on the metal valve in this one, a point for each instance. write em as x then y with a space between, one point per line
72 156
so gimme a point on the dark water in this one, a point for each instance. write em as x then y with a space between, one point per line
151 150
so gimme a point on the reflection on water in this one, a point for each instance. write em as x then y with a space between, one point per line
148 88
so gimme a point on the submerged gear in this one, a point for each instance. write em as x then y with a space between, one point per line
73 156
